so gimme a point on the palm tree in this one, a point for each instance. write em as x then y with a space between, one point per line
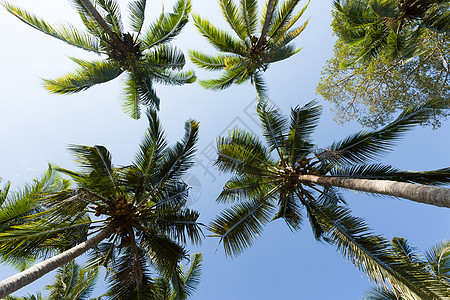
393 28
436 263
267 188
145 56
140 219
249 55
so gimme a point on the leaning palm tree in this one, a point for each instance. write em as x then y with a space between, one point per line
144 55
249 55
140 222
303 176
393 28
436 263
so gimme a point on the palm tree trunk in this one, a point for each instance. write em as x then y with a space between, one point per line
24 278
416 192
267 18
96 15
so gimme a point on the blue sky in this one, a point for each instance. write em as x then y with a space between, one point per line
36 128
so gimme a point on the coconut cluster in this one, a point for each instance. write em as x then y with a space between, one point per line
132 53
119 208
305 167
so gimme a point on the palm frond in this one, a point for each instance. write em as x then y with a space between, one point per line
165 254
438 258
260 86
274 127
96 161
65 33
303 122
243 153
289 36
191 276
239 225
170 77
180 225
220 39
113 16
372 253
167 26
366 145
226 80
284 20
234 18
137 14
164 56
382 294
208 62
179 158
240 188
131 278
249 11
90 74
143 85
152 146
384 172
289 210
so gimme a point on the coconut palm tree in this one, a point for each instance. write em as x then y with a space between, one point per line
140 219
144 55
267 187
393 28
249 55
436 263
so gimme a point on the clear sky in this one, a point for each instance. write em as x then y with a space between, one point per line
36 127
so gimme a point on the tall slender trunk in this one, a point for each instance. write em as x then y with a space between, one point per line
24 278
416 192
267 18
96 15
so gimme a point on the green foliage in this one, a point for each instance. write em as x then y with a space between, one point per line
143 203
19 208
268 184
145 56
247 56
435 263
386 59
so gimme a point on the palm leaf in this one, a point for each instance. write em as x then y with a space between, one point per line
242 153
226 80
240 188
234 18
274 127
438 258
218 38
191 276
366 145
137 14
208 62
96 161
168 26
284 16
113 17
249 11
303 122
65 33
371 253
383 172
239 225
90 74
